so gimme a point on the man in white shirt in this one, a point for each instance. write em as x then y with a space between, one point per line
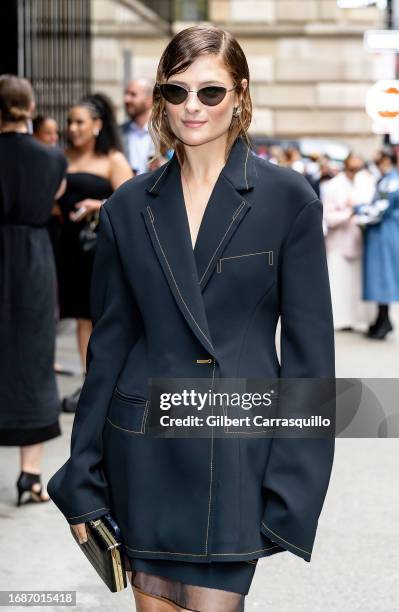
136 138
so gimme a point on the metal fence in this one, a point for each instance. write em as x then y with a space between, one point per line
54 52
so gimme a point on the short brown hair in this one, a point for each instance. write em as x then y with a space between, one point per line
185 47
16 97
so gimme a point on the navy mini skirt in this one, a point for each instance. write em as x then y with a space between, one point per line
197 587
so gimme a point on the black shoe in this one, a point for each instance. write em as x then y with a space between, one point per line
24 485
381 330
70 402
372 328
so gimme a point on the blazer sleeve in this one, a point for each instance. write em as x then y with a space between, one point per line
79 488
298 469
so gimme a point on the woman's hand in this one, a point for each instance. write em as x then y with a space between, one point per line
80 531
84 208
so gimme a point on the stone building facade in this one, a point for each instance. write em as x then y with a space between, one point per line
309 70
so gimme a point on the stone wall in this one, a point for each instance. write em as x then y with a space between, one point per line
309 70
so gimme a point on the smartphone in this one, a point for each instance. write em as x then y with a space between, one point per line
79 213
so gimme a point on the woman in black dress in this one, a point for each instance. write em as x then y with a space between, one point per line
31 177
96 167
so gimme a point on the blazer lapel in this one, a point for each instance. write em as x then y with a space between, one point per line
165 216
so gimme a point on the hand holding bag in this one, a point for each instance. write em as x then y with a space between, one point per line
102 550
88 233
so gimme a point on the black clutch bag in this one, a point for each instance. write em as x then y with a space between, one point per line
103 551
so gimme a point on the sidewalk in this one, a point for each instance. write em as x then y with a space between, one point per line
356 555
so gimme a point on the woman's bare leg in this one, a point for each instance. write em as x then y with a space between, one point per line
83 330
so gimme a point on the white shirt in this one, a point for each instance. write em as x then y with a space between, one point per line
140 147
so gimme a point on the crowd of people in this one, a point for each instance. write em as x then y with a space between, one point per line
50 199
361 227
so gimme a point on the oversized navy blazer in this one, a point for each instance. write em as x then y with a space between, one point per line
161 309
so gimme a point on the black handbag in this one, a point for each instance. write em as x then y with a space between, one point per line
102 549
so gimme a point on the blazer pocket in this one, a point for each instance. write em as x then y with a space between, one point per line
260 418
128 412
267 255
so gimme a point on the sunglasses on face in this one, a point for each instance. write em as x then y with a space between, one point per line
210 96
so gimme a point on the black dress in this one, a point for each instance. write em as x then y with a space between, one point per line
74 265
30 175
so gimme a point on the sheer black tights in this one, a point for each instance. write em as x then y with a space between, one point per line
157 594
151 603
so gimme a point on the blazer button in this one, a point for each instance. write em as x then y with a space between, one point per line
204 360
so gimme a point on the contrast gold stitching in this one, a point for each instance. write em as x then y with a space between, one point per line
145 416
238 209
174 280
168 552
225 234
86 513
211 479
161 175
248 433
290 543
141 430
219 264
123 429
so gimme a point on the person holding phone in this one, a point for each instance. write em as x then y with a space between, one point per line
96 167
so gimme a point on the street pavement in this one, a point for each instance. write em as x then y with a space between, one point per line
355 561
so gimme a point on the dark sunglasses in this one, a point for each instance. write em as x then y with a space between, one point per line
210 96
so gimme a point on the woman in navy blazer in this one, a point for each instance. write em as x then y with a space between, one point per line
195 264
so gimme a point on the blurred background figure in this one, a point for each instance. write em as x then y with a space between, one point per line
45 129
276 155
31 177
373 165
339 195
320 173
312 167
293 159
138 145
96 167
381 247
